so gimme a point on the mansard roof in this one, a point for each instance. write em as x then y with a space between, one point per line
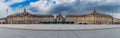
49 15
28 14
93 13
19 14
59 15
90 14
96 13
100 14
25 13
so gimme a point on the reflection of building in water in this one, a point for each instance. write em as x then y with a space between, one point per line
27 18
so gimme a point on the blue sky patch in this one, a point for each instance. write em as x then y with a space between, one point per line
23 4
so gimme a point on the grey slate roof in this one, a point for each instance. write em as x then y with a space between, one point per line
49 15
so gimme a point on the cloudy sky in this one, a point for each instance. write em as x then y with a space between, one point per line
60 6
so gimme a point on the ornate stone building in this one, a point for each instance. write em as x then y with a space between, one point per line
91 18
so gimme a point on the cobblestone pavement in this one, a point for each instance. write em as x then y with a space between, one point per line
17 33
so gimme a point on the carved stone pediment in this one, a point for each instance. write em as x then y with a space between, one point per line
60 18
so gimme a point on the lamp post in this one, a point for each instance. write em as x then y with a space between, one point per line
112 16
6 20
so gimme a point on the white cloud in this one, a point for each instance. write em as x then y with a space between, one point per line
42 5
6 5
3 7
45 5
64 1
91 0
116 15
101 1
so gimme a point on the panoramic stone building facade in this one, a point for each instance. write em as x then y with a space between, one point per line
91 18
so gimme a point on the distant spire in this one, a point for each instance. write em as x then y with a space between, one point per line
94 10
25 10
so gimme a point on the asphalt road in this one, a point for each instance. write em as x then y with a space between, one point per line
17 33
